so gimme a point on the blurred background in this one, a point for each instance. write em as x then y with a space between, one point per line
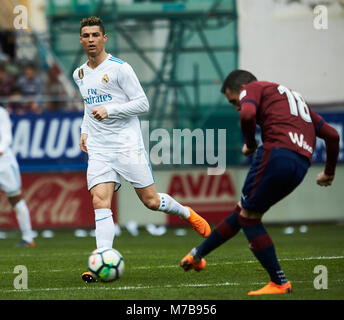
181 51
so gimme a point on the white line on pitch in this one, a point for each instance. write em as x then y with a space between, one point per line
250 261
191 285
210 264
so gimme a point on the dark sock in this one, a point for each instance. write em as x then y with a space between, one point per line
225 230
263 248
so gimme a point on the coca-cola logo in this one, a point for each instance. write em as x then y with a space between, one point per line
55 200
5 209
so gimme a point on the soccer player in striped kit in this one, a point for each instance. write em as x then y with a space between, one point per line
111 135
289 129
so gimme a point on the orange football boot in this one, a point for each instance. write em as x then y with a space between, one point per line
24 243
198 223
272 288
32 244
189 262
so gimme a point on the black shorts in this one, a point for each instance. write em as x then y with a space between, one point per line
273 175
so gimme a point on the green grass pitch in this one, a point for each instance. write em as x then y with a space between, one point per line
152 269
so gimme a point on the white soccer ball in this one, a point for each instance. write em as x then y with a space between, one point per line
106 264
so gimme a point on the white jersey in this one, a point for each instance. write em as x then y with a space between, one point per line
10 181
5 134
113 84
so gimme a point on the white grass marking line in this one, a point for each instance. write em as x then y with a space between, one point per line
92 287
209 264
127 288
31 271
249 261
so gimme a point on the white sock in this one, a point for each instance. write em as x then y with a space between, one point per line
105 228
23 218
171 206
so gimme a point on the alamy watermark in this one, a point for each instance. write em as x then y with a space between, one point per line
20 282
320 21
20 20
178 146
321 281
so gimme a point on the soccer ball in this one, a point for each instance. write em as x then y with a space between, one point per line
106 264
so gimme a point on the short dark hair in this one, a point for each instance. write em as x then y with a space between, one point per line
31 65
92 21
237 78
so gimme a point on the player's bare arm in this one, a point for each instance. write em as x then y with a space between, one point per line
83 139
100 113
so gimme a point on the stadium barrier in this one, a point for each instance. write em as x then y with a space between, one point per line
215 196
54 182
61 200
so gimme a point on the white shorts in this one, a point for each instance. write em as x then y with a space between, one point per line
133 166
10 181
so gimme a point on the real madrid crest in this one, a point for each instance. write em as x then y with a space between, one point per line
81 73
105 78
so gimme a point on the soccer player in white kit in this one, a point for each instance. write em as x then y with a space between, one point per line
10 181
111 135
